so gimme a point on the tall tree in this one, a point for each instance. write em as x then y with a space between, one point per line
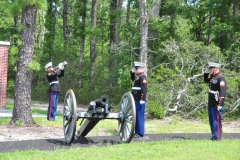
143 15
235 19
128 11
113 40
50 25
23 80
80 20
66 33
93 52
113 24
155 10
224 16
210 21
119 13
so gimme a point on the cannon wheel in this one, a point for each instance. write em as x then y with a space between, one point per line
69 116
127 120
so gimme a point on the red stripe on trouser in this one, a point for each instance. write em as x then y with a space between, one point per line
50 106
218 126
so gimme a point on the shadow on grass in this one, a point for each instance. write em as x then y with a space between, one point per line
85 141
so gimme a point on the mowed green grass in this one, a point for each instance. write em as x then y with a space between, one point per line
166 150
169 150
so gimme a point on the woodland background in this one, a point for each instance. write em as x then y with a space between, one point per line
100 40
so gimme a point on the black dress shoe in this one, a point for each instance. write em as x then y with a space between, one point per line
137 136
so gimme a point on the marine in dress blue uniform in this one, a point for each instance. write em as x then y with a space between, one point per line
139 92
54 88
216 97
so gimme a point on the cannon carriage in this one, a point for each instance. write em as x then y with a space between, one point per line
98 109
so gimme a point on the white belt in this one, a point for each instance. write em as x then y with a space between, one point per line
214 92
136 88
53 82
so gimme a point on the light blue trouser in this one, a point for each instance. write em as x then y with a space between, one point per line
140 121
53 103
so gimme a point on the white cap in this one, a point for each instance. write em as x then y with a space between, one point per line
49 64
214 65
138 64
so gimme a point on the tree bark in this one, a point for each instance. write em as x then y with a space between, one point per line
128 11
113 42
222 36
66 33
82 42
113 24
155 10
143 31
235 19
235 27
93 42
50 25
119 21
210 27
22 108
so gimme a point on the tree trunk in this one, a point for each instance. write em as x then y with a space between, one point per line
113 42
22 108
41 30
235 27
222 36
210 27
235 19
155 10
143 31
50 25
113 24
93 42
128 11
65 26
119 21
82 42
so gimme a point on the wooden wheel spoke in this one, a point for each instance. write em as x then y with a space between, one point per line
66 130
120 126
127 127
66 124
70 116
127 124
126 131
128 121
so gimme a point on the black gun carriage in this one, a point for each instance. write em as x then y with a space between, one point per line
98 109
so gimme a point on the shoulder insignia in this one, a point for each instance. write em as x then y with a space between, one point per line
222 83
144 81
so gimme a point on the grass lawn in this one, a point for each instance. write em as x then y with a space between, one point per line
166 150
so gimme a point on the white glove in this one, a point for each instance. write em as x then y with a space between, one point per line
142 102
219 108
206 71
61 66
133 70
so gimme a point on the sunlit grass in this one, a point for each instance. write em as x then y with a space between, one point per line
166 150
34 110
173 124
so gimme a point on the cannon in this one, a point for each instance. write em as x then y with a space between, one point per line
98 109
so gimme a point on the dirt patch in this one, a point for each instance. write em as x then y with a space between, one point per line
17 133
10 132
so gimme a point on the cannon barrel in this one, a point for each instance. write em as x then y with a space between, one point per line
99 105
99 102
